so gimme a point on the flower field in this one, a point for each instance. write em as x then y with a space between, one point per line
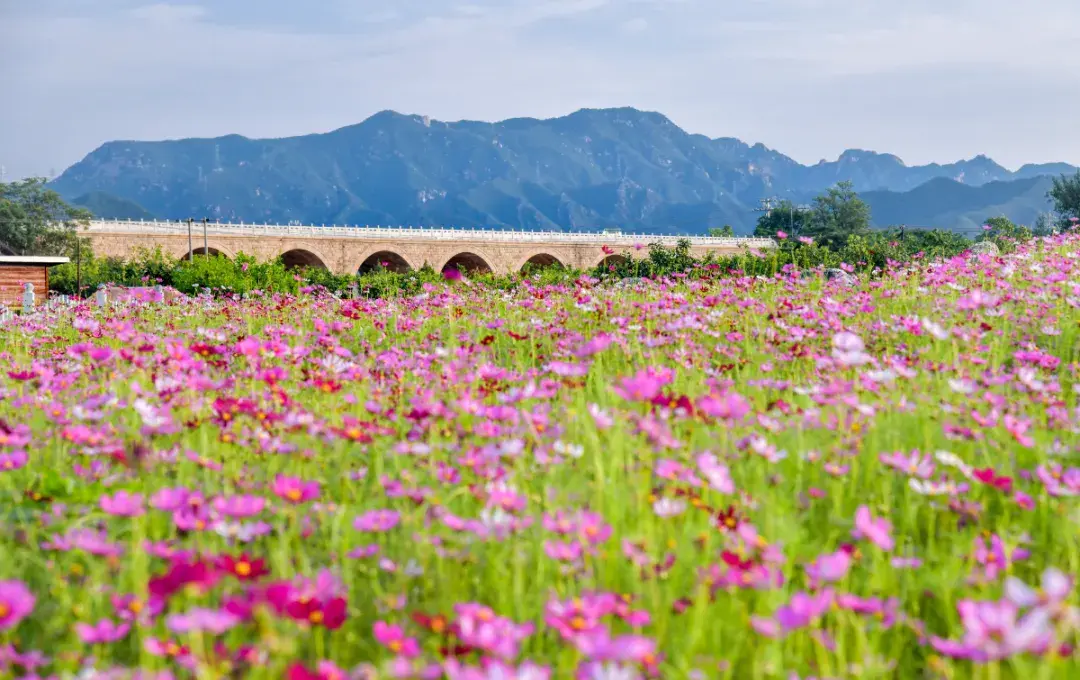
734 478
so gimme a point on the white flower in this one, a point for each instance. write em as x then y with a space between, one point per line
669 507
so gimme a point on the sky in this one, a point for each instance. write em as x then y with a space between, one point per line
927 80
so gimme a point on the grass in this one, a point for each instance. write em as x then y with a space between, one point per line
483 418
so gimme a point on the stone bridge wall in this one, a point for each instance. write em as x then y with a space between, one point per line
348 254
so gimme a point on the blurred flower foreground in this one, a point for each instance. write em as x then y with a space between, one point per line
739 477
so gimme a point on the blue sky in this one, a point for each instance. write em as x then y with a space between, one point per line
929 80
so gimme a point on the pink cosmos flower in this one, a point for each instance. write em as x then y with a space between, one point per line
849 350
878 531
599 645
394 638
377 521
829 568
102 632
645 385
729 406
716 473
12 461
993 632
294 489
480 628
16 603
213 621
239 506
1056 586
170 499
493 669
123 504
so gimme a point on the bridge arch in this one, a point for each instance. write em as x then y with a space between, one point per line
468 263
214 250
541 259
387 259
302 257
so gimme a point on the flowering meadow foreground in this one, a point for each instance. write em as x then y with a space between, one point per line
740 478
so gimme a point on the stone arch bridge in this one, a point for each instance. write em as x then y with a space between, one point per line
349 250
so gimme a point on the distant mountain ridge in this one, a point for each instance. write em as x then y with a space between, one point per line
592 169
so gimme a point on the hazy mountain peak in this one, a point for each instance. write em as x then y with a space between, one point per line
590 169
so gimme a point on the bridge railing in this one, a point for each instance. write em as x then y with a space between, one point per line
416 233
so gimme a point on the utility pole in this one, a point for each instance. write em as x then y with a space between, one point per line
78 266
191 251
766 207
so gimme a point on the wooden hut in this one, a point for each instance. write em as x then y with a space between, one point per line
16 270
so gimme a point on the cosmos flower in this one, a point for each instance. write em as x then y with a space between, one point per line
16 603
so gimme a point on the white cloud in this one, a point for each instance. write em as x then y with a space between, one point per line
168 14
635 25
923 79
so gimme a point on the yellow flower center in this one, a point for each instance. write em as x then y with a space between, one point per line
293 495
243 568
315 616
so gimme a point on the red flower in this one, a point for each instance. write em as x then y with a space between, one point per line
180 575
988 477
329 614
243 568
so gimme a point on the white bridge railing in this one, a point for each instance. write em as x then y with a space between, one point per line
416 234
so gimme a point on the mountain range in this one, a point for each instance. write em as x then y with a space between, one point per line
592 169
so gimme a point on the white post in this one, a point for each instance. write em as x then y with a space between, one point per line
101 297
28 298
159 294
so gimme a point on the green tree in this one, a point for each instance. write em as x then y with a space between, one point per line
1044 225
1004 228
785 217
1066 196
837 215
35 220
722 232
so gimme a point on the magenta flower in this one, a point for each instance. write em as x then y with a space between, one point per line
239 506
170 499
878 531
16 603
645 385
803 609
1056 586
377 521
123 504
480 628
730 406
12 461
598 645
294 489
198 619
829 568
716 473
394 638
102 632
849 350
993 632
493 669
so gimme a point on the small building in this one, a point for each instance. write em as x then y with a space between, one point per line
17 270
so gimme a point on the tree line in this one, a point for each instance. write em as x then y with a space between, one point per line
833 231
